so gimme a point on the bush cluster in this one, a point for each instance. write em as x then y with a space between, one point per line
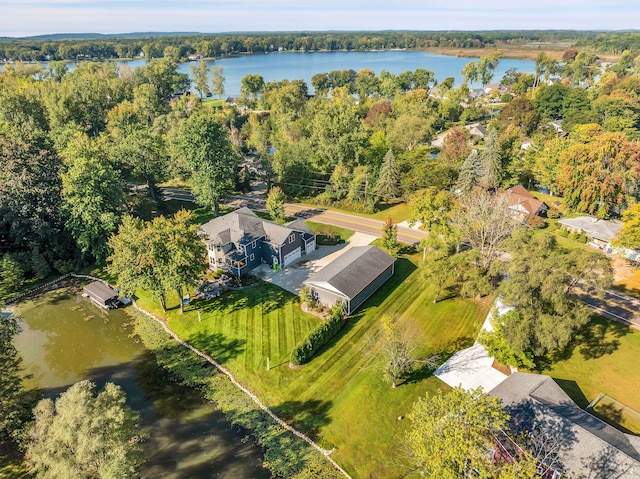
317 338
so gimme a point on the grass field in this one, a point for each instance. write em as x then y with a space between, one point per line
399 211
329 234
340 396
604 361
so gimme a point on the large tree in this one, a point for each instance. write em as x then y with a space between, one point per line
207 151
388 183
597 176
93 195
629 236
15 402
200 78
85 436
542 284
159 256
484 220
449 433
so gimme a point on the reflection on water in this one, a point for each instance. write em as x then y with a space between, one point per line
66 338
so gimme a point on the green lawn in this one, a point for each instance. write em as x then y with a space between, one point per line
604 361
329 234
398 211
340 396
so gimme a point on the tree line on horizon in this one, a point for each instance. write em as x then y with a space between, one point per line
215 45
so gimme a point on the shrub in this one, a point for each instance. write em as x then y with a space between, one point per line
573 236
582 239
562 232
506 98
318 338
553 214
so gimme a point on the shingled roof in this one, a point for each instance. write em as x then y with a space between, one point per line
353 271
243 226
519 196
588 447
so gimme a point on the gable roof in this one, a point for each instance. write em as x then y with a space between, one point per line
519 196
353 271
603 230
299 225
243 226
100 291
587 444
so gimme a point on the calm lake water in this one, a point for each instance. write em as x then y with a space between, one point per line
293 66
66 338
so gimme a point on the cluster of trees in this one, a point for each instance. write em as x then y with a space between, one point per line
71 141
100 47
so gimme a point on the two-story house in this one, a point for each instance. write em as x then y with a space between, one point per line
240 241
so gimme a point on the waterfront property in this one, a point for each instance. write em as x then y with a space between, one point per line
102 294
352 277
240 241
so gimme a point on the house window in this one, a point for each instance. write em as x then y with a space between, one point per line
252 257
291 238
253 245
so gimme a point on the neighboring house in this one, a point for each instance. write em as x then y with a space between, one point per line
352 277
523 202
574 443
601 232
240 241
477 129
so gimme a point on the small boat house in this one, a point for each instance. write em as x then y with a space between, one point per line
102 295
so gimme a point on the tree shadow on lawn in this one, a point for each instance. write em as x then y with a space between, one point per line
217 345
268 297
309 416
599 337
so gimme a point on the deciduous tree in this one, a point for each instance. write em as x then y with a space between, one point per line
629 236
449 432
200 78
390 235
85 435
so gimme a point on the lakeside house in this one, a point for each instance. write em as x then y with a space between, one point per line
240 241
352 278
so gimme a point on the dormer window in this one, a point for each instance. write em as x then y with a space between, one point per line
291 238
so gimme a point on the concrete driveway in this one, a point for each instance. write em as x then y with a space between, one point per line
292 277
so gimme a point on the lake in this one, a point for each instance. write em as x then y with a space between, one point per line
298 65
65 338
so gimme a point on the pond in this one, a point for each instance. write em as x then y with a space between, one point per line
65 338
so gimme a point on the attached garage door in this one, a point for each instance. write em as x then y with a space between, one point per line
310 246
291 257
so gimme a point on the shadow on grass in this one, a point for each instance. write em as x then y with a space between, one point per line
403 269
218 346
573 391
309 416
268 297
600 337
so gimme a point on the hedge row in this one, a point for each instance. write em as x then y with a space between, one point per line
317 338
285 455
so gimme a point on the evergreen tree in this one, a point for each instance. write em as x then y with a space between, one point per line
388 184
390 235
491 162
470 173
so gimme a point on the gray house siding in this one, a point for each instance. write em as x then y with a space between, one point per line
328 298
362 296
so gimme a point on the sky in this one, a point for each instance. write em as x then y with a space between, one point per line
36 17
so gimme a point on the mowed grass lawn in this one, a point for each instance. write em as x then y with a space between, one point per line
603 361
340 397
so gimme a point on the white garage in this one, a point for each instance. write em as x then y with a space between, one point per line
291 257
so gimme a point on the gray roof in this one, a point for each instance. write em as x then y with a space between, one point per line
100 291
586 446
603 230
353 271
242 227
300 225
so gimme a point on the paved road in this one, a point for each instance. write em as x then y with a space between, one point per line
615 305
352 222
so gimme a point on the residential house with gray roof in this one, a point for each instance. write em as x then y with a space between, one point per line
573 443
352 277
240 241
